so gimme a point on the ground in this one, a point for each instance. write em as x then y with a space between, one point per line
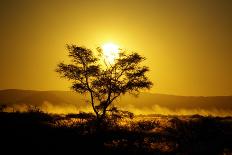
37 132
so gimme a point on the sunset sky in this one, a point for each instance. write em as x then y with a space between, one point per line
187 43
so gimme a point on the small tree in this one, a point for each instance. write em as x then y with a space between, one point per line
104 82
3 107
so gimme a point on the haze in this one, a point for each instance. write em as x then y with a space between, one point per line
188 44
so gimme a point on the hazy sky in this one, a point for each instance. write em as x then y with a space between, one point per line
188 43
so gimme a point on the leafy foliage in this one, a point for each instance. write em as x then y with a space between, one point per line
104 81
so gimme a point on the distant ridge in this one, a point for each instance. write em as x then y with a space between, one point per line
145 101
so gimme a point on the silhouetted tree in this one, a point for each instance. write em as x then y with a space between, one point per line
3 107
104 81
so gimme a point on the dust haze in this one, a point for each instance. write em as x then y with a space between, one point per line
64 102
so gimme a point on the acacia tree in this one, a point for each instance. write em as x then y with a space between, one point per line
104 82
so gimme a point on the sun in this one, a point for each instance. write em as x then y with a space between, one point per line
110 52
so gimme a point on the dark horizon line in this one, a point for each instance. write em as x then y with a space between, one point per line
205 96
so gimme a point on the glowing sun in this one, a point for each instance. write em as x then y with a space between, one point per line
110 52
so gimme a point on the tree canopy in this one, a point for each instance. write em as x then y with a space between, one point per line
103 81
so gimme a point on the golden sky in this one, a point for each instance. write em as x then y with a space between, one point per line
188 43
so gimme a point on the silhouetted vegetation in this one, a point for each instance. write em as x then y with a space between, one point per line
104 82
3 107
157 134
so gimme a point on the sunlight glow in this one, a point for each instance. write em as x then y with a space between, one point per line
110 52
